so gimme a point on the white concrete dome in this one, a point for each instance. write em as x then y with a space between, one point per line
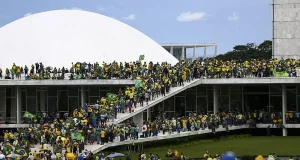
58 38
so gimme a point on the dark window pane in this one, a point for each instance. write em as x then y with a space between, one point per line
201 104
191 101
11 107
275 89
275 103
169 104
31 105
104 88
52 91
2 101
73 91
256 88
180 106
23 101
63 101
42 101
224 103
73 104
93 100
10 92
63 88
31 91
210 95
169 115
103 93
94 91
223 90
291 100
52 104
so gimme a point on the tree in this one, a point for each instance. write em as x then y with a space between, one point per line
249 51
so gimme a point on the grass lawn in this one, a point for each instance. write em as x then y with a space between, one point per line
241 146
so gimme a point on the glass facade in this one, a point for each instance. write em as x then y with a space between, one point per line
199 99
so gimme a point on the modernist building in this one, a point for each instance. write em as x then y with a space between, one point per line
179 51
286 29
84 36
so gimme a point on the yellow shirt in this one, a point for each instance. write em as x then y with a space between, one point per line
102 134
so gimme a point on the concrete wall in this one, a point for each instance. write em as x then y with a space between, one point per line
286 28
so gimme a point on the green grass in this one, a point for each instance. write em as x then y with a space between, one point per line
240 146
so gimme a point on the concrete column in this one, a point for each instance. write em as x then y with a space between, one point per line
148 114
216 99
284 108
83 96
216 51
194 53
182 53
19 105
204 53
138 119
172 50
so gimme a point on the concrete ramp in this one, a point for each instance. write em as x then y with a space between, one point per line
173 91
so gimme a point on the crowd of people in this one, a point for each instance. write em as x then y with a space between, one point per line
208 68
88 124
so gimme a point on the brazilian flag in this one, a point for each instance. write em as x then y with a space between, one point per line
138 83
28 115
76 136
21 151
7 149
142 57
111 96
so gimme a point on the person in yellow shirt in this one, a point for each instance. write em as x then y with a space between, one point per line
102 135
70 156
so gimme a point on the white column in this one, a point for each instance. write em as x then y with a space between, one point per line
284 107
83 96
204 53
148 114
19 105
182 53
216 50
194 53
216 99
138 119
172 50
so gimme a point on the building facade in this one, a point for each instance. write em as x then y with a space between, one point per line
203 98
286 29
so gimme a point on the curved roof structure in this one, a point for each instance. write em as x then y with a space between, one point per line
58 38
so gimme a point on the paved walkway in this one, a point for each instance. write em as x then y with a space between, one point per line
97 148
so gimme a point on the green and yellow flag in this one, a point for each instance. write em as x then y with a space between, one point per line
142 57
21 151
76 136
138 83
28 115
111 96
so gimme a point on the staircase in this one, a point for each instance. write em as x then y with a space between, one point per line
173 91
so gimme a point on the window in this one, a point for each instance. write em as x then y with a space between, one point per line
169 104
42 101
31 105
63 101
94 91
201 104
73 104
10 92
31 91
73 91
52 104
201 90
52 91
191 101
24 101
104 88
2 101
